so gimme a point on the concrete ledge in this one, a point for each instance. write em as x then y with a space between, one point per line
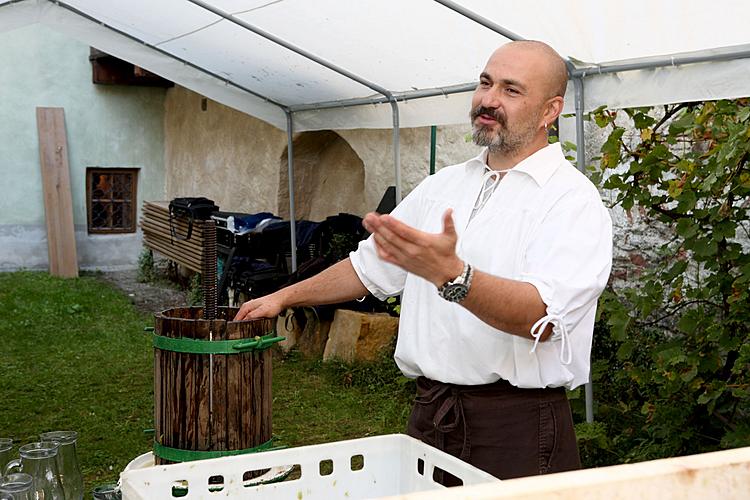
722 475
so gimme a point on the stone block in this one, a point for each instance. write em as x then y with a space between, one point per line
356 336
303 330
286 326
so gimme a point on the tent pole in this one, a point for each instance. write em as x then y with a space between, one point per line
479 19
433 146
326 64
581 161
580 140
396 149
290 170
162 52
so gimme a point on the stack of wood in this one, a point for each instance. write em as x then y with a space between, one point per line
157 237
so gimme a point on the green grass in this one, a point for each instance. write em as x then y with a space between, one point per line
74 356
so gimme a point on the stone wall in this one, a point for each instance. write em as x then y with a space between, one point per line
241 162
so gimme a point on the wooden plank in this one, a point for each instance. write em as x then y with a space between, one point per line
181 225
183 259
267 403
152 228
202 367
219 389
158 381
234 391
58 201
172 256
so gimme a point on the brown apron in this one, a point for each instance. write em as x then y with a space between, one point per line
501 429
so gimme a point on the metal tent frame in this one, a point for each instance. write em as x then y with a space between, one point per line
578 75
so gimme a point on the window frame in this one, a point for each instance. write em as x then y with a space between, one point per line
90 172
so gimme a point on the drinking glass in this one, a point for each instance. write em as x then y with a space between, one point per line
108 491
16 487
67 462
6 452
38 461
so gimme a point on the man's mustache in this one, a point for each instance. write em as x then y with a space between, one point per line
493 112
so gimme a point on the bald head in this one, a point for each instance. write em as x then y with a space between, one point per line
551 69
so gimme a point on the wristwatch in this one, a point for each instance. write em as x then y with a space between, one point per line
457 289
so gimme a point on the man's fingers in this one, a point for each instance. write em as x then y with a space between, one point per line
371 221
449 227
399 248
244 309
402 230
386 251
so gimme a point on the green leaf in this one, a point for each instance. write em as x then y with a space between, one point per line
682 123
625 351
687 228
642 121
612 145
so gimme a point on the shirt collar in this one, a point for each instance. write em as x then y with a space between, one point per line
539 166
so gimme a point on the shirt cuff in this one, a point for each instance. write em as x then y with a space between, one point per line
554 316
355 259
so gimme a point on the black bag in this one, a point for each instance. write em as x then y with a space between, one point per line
192 209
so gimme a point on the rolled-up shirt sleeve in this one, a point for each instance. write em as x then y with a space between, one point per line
381 278
568 261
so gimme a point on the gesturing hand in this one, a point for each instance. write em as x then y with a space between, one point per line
429 255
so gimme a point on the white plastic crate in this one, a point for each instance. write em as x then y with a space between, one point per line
371 467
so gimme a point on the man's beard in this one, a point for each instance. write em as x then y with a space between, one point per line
503 140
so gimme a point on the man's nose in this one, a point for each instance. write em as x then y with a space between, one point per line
491 99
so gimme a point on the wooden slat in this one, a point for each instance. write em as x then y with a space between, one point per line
219 381
181 225
158 381
202 369
234 391
58 201
154 229
173 254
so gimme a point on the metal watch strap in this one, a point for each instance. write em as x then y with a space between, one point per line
457 289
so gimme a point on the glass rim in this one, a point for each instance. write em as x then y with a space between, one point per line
63 437
16 483
40 449
6 444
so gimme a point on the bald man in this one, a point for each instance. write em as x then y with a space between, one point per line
499 262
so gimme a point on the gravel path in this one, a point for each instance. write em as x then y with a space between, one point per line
147 297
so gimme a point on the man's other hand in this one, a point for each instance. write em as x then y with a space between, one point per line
269 306
429 255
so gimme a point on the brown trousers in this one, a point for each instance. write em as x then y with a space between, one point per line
501 429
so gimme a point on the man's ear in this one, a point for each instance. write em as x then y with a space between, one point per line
553 109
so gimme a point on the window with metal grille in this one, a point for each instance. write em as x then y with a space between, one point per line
111 199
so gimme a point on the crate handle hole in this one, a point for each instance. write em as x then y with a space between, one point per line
215 484
180 488
357 462
445 478
325 467
420 467
250 477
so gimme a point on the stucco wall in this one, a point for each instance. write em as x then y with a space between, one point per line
220 153
240 161
107 126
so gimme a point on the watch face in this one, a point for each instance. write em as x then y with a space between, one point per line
455 293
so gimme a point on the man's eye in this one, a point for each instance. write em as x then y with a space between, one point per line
484 83
511 90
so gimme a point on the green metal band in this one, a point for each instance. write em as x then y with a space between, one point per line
178 455
202 346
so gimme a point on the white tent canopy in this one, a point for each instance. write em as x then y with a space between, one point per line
338 64
407 48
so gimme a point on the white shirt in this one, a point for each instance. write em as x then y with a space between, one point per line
544 224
